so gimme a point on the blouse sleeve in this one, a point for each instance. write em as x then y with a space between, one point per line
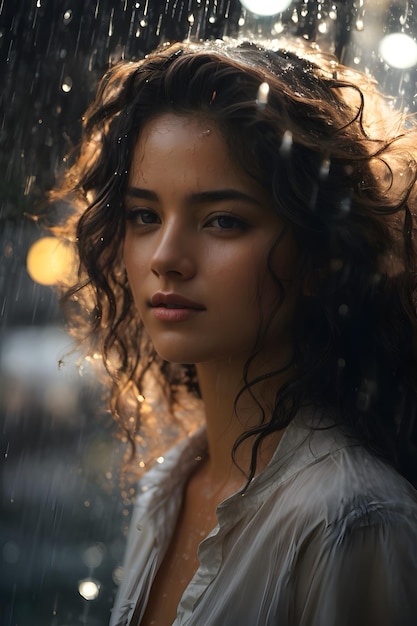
361 571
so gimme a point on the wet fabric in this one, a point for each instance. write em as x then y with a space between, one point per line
325 535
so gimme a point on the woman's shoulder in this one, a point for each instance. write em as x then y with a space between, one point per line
322 473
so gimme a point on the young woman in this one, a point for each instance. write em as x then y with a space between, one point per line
244 221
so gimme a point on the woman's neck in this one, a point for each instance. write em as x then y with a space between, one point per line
220 384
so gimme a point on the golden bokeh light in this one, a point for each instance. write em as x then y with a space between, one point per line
50 261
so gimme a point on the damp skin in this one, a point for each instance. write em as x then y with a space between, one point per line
201 233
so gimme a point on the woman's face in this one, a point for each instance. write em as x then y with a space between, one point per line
198 233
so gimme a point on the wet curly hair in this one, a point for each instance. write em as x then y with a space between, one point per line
339 164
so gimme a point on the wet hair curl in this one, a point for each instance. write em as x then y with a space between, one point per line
339 164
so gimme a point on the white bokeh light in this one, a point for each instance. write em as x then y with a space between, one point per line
89 588
265 7
398 50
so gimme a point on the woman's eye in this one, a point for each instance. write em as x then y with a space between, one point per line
227 222
142 217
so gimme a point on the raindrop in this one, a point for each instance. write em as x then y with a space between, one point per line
89 588
93 555
262 98
67 16
322 28
111 23
359 24
324 169
66 84
286 144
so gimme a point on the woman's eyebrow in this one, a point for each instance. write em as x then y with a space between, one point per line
137 192
201 197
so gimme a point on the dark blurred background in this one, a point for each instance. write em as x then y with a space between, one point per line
63 511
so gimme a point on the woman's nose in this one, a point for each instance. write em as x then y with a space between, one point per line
173 256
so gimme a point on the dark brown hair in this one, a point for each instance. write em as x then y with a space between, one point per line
339 164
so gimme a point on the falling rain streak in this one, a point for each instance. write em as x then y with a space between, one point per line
64 514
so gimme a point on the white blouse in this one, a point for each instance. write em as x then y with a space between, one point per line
326 535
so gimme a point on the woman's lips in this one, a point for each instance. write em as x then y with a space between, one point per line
171 307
